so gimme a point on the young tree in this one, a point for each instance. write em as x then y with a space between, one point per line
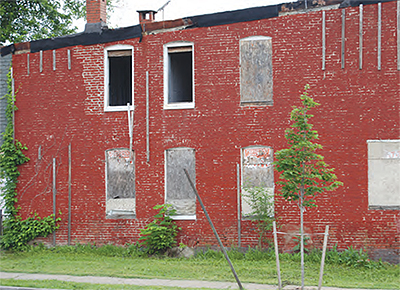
303 172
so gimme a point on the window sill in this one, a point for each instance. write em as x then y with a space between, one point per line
177 106
384 207
183 217
118 108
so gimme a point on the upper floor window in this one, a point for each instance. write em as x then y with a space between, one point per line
256 71
178 75
118 78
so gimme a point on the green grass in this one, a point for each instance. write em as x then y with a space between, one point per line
254 267
54 284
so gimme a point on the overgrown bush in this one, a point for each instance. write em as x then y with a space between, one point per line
160 234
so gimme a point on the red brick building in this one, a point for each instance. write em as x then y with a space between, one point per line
212 94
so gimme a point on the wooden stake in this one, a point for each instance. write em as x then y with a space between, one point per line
278 268
214 230
321 271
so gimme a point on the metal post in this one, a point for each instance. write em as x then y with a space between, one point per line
54 198
278 268
69 194
321 271
214 230
238 206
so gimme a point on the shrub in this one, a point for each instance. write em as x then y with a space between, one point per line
160 234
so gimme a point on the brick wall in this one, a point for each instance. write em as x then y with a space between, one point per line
60 107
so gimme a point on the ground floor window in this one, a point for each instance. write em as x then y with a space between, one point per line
257 179
120 183
178 191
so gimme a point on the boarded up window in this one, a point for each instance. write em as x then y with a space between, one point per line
256 71
257 177
120 77
384 174
120 183
179 193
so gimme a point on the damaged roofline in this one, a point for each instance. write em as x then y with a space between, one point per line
207 20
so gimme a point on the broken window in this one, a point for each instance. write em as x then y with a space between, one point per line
256 71
178 75
120 183
178 191
118 77
257 178
384 174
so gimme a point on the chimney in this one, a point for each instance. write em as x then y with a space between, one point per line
96 15
146 16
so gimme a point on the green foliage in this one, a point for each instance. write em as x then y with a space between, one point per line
25 20
160 234
17 232
261 202
296 239
303 172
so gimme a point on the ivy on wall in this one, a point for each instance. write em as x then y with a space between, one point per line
16 231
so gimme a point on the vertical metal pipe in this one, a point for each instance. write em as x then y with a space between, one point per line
379 34
147 118
214 230
321 271
361 37
69 58
41 61
238 205
28 63
398 35
54 198
13 101
54 59
343 35
278 268
323 40
69 193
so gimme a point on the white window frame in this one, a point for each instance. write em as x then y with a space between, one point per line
107 107
181 105
178 217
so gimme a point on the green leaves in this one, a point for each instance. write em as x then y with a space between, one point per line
303 173
160 234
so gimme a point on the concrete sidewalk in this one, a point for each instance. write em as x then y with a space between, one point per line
147 282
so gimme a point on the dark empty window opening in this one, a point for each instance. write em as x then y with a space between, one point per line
180 75
120 77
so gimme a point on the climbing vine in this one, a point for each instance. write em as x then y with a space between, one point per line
17 232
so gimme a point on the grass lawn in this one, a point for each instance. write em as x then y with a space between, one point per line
256 268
